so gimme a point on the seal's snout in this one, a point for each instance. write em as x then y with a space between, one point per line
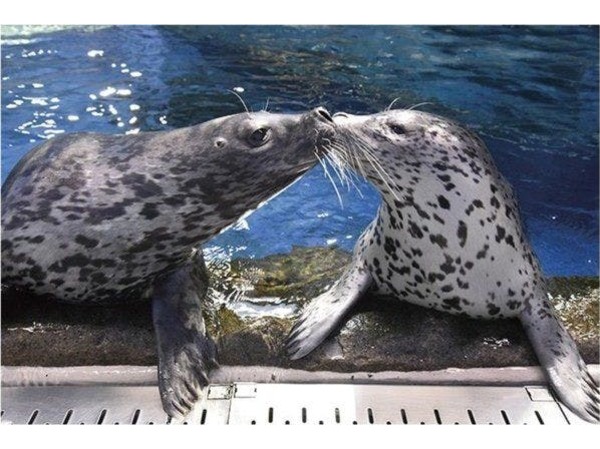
323 113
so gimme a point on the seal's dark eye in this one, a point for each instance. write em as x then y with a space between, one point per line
398 129
259 136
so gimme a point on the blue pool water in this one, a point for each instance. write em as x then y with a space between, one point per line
531 92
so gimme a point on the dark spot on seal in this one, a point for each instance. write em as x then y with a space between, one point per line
462 233
443 202
438 239
390 247
461 284
509 241
452 304
432 277
482 253
85 241
493 309
414 230
142 187
149 211
77 260
500 233
448 267
99 278
513 304
449 186
99 214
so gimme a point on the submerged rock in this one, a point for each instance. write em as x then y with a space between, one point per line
251 308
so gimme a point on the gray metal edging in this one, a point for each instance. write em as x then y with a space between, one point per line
146 375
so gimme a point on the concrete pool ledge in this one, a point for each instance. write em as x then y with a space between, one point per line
22 376
250 329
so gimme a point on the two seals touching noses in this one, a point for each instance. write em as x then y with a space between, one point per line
92 218
448 235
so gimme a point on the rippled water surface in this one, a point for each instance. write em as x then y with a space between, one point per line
531 92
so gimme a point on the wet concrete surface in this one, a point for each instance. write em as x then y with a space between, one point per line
250 326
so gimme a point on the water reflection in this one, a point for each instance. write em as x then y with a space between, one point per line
531 92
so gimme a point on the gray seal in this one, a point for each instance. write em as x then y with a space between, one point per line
91 218
448 235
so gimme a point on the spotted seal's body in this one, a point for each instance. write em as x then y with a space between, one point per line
91 218
448 236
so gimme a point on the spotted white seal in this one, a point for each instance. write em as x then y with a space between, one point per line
448 235
91 218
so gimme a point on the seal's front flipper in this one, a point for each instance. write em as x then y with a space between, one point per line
558 354
324 312
185 353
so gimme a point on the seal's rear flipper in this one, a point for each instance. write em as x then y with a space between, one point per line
558 354
324 312
185 353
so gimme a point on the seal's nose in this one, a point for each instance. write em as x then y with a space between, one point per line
324 113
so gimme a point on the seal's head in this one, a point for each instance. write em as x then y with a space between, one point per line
417 143
266 151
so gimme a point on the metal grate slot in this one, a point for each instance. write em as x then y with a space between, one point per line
471 417
539 417
136 416
101 417
505 416
404 418
33 416
68 417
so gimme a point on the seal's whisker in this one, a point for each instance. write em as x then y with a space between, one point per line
328 175
419 104
357 162
342 157
337 157
240 98
353 176
372 159
392 103
266 109
333 160
340 161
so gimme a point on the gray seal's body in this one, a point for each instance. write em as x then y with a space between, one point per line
92 218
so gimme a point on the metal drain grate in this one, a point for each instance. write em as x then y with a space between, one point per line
260 403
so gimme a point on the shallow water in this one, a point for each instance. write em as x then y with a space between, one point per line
531 92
